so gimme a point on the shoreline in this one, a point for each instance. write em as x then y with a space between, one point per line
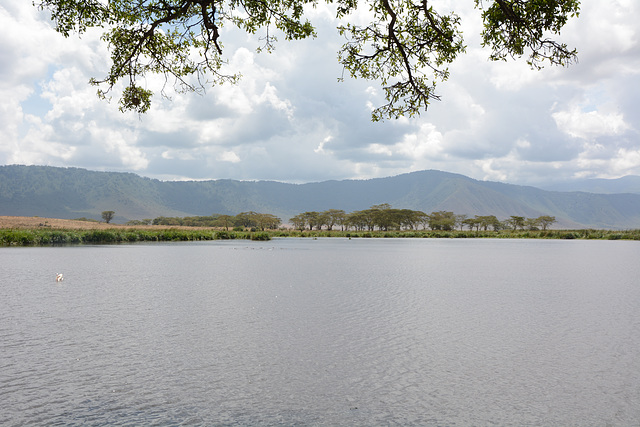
36 231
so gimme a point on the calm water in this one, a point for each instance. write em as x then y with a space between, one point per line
322 332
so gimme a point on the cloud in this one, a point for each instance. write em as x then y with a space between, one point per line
289 118
228 156
591 124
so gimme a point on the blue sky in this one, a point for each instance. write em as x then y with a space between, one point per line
289 119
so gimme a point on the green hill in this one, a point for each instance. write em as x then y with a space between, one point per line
72 193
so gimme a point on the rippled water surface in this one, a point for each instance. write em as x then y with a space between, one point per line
322 332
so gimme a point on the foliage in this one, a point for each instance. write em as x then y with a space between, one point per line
47 237
406 47
513 27
442 221
263 236
225 235
139 222
107 216
516 222
385 218
86 219
545 221
299 222
239 222
482 222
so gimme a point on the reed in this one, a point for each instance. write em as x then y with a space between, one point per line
52 237
48 237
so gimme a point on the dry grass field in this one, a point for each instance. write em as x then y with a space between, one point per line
31 222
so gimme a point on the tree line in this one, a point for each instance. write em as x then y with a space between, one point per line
244 220
384 217
378 217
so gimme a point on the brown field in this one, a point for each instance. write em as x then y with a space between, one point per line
70 224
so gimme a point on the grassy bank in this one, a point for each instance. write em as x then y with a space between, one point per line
48 237
588 234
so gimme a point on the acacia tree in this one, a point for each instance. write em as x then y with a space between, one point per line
515 222
312 219
410 218
245 219
442 220
299 222
108 216
224 221
359 220
406 47
486 221
531 223
334 217
472 223
545 221
460 220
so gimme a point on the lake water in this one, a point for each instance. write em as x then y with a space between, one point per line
327 332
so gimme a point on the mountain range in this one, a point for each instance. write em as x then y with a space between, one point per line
73 193
626 184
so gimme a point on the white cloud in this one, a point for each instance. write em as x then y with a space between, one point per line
122 143
491 171
380 149
320 148
177 155
591 124
289 119
625 162
425 143
228 156
270 95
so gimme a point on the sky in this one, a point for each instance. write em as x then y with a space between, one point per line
291 120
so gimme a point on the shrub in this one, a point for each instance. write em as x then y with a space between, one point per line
261 236
225 235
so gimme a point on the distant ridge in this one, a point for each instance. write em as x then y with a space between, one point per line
73 193
626 184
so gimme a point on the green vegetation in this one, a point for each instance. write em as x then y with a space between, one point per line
586 234
107 216
86 219
384 218
245 220
378 217
47 237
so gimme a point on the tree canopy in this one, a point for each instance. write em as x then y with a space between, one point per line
406 47
108 216
384 217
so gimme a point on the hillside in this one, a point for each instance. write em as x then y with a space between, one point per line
626 184
73 193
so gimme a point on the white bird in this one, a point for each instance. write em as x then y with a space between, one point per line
59 277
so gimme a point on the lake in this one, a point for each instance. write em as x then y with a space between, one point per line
326 332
